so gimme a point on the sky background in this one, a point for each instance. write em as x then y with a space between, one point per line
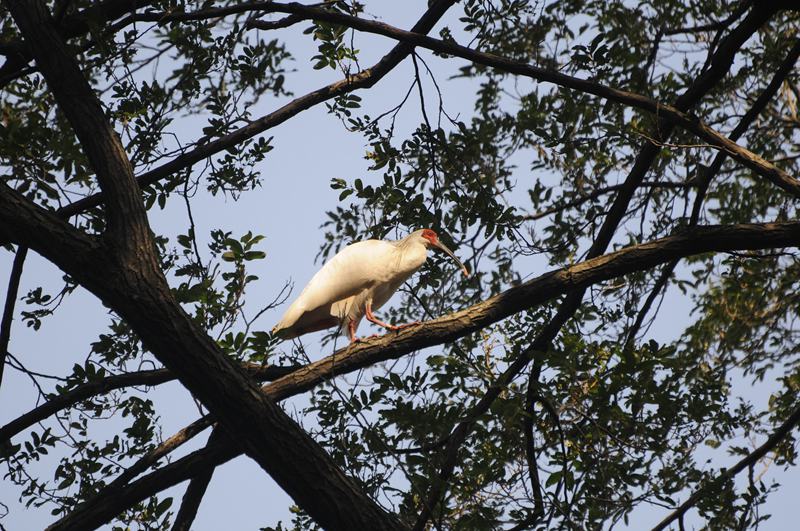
288 209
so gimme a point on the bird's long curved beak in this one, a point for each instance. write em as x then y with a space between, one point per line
442 247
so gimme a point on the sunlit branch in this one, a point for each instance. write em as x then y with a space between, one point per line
713 238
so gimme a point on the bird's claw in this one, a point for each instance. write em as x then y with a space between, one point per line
361 339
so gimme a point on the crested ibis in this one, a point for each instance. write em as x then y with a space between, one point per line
357 281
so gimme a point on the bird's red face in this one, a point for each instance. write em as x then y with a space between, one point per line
431 236
433 242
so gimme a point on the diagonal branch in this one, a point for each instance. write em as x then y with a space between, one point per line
156 454
105 385
546 287
448 328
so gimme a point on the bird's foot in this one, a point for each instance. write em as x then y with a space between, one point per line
361 339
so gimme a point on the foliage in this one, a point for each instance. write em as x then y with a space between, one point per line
521 182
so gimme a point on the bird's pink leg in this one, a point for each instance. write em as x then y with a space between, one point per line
372 319
351 331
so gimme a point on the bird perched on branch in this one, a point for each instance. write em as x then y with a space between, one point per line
357 281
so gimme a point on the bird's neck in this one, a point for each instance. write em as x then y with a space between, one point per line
412 254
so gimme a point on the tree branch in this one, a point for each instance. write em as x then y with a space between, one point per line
27 224
8 308
106 385
531 396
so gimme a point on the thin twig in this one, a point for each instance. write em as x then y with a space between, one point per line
8 308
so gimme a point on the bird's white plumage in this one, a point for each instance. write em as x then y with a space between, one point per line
364 272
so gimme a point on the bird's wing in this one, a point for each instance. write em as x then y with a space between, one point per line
355 268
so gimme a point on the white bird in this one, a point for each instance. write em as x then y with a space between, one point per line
357 281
